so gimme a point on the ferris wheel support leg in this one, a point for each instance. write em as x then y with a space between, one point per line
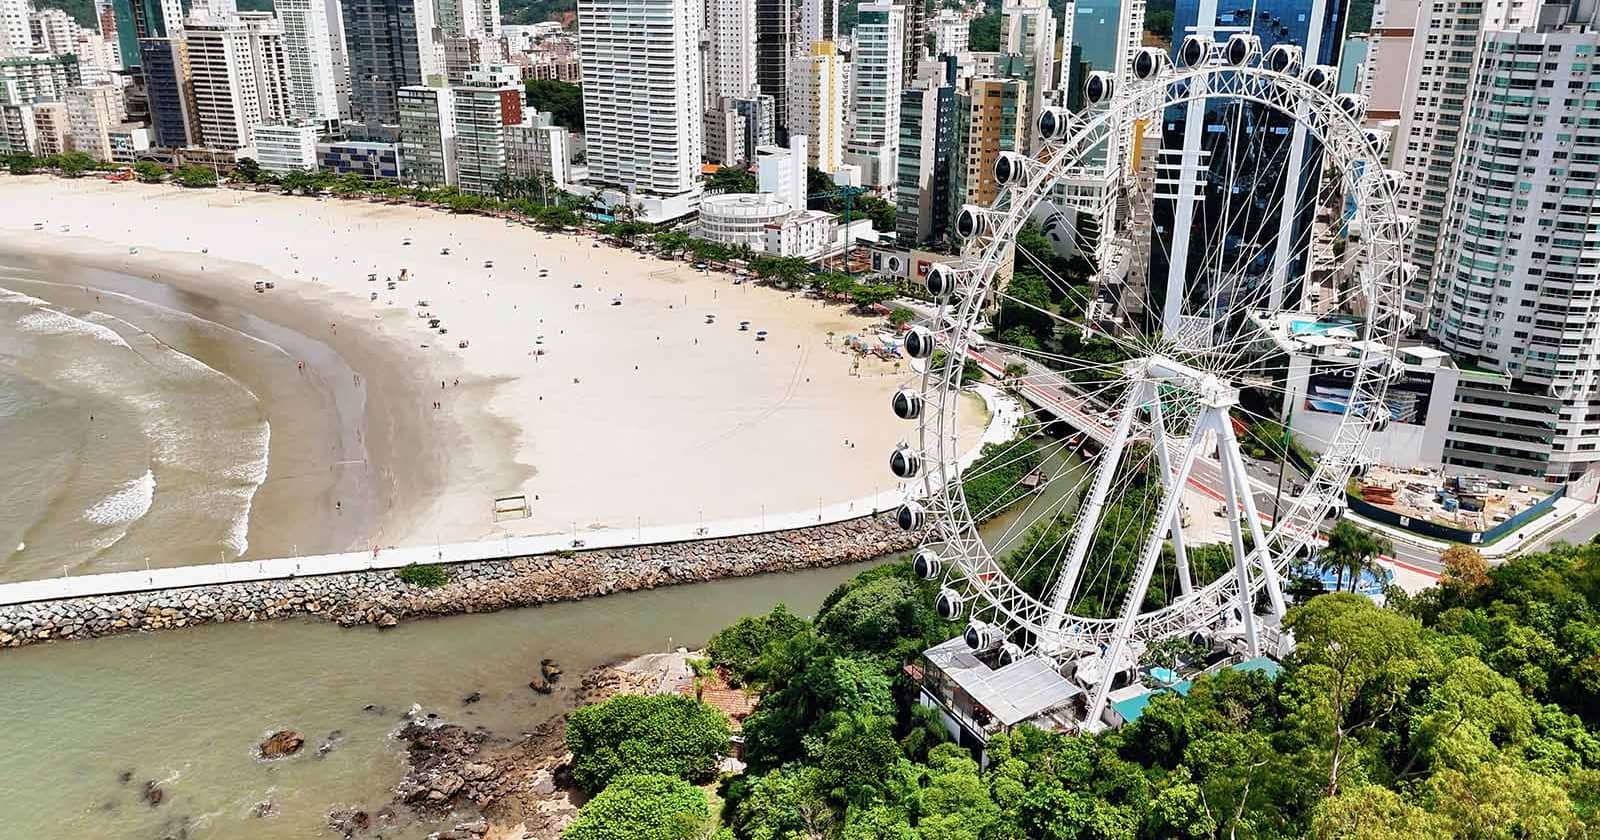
1263 551
1089 520
1241 560
1147 567
1158 433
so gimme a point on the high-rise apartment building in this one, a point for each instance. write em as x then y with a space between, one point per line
775 49
138 19
816 104
1517 267
1029 33
53 31
308 44
16 35
876 81
641 100
91 114
988 121
730 50
927 139
169 92
240 76
815 20
390 45
951 32
339 55
539 150
913 44
485 108
36 77
428 134
1432 108
1096 38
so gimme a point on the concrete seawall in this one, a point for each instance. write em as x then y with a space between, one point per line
380 597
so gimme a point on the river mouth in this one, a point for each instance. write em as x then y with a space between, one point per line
185 708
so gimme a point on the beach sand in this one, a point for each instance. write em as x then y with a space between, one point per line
641 413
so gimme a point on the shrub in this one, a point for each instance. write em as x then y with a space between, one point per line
629 734
738 646
425 575
642 807
148 172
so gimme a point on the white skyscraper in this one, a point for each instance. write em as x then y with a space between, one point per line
816 104
16 36
340 55
53 31
1432 109
730 50
876 76
1514 277
308 44
240 76
817 20
1030 32
642 102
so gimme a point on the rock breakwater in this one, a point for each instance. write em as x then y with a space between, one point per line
380 598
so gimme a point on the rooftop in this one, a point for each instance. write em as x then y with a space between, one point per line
1024 689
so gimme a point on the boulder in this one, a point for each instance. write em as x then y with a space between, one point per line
282 744
472 698
540 684
349 821
387 620
550 670
447 785
475 772
153 794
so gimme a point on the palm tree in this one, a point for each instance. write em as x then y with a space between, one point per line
1352 549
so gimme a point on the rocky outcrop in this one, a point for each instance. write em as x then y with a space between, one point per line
379 598
282 744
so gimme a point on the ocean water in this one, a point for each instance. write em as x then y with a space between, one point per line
117 447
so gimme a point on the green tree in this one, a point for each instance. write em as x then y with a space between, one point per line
856 757
1355 662
732 179
148 172
196 176
22 163
562 100
901 316
628 734
738 647
74 164
1352 550
876 208
247 170
642 807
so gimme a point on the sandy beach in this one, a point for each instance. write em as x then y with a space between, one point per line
599 414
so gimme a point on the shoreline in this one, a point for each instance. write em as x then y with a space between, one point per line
380 598
318 416
722 428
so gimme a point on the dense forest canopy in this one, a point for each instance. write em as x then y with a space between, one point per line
1469 710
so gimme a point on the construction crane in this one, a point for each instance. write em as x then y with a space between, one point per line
848 194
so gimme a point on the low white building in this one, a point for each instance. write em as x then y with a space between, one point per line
286 148
538 147
807 233
127 141
735 219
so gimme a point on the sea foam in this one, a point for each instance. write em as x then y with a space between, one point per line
127 503
51 322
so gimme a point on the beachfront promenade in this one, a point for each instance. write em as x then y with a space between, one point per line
1005 416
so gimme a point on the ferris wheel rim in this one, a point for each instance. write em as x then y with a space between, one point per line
954 528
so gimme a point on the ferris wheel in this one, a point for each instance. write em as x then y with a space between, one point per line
1164 499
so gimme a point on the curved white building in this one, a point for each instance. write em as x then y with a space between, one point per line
741 218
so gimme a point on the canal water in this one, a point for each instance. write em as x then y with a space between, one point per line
186 708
